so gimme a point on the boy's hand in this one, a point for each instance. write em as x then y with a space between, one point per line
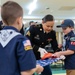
62 57
57 54
39 69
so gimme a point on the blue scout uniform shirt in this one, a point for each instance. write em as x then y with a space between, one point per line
16 53
70 45
39 38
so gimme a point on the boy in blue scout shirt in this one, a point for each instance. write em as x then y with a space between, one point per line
16 55
69 36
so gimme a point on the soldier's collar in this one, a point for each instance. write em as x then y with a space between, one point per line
45 32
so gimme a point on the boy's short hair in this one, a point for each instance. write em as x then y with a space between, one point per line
10 11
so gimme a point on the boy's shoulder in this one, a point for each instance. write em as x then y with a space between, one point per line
72 37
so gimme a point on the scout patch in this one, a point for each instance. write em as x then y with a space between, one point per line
72 38
73 43
27 45
28 33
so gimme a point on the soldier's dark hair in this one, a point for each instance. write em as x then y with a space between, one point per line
48 18
10 11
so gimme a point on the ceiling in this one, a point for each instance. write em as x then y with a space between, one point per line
60 9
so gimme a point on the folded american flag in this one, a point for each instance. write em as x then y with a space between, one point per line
48 61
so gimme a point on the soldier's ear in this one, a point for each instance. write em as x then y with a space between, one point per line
42 21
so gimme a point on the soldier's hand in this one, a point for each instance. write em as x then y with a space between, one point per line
42 52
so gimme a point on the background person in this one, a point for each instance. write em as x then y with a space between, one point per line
30 24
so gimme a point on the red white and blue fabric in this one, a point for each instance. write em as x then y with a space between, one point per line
47 61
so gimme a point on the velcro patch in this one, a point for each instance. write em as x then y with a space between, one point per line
27 45
72 39
72 43
28 33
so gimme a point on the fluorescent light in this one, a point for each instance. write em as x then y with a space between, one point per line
32 6
35 1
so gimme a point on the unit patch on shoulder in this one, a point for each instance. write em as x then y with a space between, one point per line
72 39
28 33
73 43
27 45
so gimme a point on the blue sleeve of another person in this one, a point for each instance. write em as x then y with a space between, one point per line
72 45
25 55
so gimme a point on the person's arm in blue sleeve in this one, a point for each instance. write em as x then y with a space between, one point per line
26 58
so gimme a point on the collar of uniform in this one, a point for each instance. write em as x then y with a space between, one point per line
41 29
45 32
10 27
69 35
